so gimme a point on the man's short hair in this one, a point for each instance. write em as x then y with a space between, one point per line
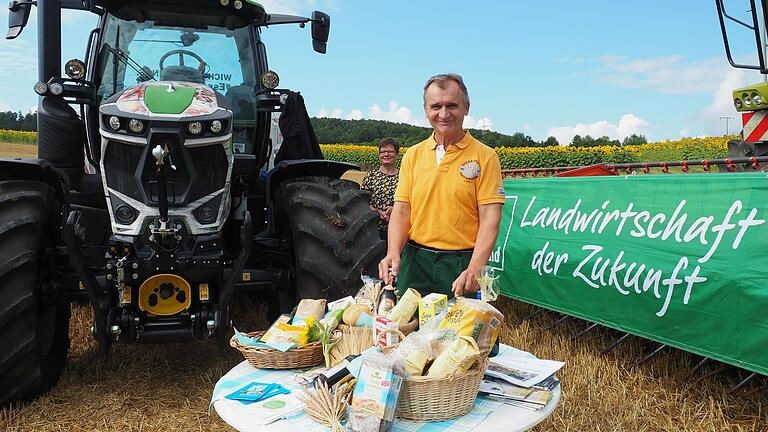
390 142
441 80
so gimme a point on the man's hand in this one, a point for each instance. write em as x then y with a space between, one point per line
466 282
389 262
383 215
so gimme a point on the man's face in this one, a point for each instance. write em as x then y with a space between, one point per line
445 108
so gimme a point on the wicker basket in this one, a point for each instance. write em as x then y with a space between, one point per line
433 399
268 358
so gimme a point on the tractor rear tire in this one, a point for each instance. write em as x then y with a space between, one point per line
34 332
334 234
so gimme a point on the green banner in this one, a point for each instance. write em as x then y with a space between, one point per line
673 258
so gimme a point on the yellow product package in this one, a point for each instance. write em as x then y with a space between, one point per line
470 317
431 305
415 363
287 333
405 308
460 355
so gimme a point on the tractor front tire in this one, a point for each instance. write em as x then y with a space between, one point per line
34 332
334 236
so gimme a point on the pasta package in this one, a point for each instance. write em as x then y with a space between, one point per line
474 318
308 308
460 355
415 363
374 399
288 334
406 307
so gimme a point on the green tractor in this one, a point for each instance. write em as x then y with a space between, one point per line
156 194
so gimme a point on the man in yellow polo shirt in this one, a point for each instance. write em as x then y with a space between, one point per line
448 200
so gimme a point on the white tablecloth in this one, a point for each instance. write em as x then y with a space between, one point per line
486 416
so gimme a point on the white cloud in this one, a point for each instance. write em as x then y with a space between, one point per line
526 127
710 118
5 107
335 113
292 7
684 132
483 123
628 124
355 114
399 114
670 74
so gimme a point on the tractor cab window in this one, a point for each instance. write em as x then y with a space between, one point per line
132 52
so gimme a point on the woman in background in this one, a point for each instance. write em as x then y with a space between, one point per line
382 183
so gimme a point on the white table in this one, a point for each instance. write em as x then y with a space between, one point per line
506 418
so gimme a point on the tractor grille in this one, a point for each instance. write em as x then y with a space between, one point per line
199 171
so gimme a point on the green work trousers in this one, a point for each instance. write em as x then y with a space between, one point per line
429 270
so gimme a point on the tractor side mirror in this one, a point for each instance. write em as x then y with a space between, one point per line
18 15
321 26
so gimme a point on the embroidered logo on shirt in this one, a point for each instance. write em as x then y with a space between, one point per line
502 192
470 170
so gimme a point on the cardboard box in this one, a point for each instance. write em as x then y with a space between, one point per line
430 306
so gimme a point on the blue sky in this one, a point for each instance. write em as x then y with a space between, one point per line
543 68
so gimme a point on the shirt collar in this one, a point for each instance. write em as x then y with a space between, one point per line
461 144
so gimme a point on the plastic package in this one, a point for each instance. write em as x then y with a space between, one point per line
374 400
475 318
369 293
460 355
489 285
288 334
406 307
354 312
308 308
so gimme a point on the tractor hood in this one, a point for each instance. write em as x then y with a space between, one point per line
169 98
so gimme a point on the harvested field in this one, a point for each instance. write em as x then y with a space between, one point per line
152 387
18 150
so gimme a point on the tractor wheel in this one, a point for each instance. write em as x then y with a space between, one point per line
34 332
334 234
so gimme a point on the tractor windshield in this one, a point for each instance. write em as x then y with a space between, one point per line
131 52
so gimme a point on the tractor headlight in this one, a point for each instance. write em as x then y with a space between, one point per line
206 214
270 80
195 128
136 126
114 122
747 99
125 214
75 69
757 99
41 88
216 126
737 103
56 88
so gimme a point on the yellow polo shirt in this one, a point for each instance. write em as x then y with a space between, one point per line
444 199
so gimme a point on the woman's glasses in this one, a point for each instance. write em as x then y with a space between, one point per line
386 152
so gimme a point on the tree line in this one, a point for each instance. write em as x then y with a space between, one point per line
10 120
366 131
370 132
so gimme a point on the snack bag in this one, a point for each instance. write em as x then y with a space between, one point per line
460 355
475 318
308 308
369 293
406 307
287 333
